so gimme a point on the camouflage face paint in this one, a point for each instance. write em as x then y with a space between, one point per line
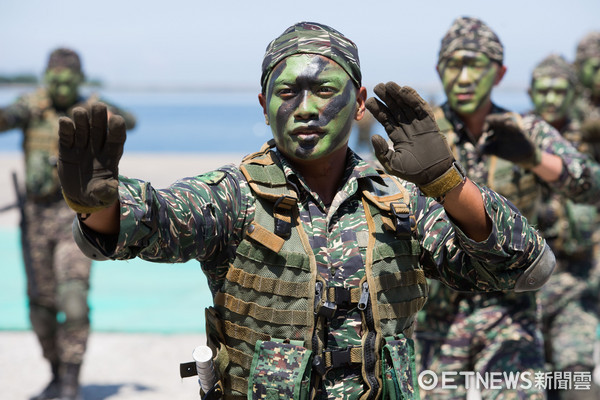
552 98
590 75
468 78
63 86
311 103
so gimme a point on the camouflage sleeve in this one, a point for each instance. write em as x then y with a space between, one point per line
199 218
16 115
465 265
580 180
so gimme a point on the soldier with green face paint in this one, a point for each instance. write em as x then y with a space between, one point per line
316 261
517 157
57 273
569 309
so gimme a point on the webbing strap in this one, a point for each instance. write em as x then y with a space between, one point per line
244 333
402 309
265 237
340 358
239 357
238 383
398 279
268 314
267 285
334 294
282 212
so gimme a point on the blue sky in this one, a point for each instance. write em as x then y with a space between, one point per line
221 43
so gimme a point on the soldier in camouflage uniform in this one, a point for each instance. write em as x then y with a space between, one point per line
316 261
57 272
496 332
587 105
569 315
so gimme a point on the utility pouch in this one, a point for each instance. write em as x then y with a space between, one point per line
280 371
398 369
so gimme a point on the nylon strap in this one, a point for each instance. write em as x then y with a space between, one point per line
267 285
268 314
355 356
239 357
244 333
402 309
238 383
400 278
265 237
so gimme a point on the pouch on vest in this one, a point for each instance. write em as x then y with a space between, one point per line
398 369
279 371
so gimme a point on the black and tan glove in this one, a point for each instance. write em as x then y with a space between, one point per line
506 138
420 152
590 130
90 148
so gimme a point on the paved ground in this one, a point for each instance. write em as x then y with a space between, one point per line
117 367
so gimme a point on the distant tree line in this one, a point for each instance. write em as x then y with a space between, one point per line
32 79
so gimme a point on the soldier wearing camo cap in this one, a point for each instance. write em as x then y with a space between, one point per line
496 332
57 273
316 261
569 315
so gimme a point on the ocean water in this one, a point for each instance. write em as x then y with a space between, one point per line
214 122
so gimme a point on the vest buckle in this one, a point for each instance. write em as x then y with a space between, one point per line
282 211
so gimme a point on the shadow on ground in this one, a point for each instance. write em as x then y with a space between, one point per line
101 392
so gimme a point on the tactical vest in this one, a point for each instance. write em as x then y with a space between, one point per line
40 146
511 181
267 328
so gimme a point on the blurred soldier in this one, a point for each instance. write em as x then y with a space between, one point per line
587 105
57 272
569 314
497 332
316 261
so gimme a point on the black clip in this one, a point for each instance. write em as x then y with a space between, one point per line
402 222
340 358
283 228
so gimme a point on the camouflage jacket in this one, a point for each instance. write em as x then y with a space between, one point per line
35 115
580 181
205 217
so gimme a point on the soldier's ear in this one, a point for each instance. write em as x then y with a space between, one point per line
263 103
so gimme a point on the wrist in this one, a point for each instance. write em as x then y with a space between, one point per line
450 179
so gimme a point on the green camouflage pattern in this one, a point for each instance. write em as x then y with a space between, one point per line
399 380
554 66
449 343
280 371
312 38
197 219
468 33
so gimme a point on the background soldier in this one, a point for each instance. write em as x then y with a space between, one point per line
496 332
316 261
569 309
57 273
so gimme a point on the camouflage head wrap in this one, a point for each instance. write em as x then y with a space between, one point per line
468 33
65 58
312 38
554 66
587 48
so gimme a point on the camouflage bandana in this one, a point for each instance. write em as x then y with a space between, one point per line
588 47
554 66
468 33
312 38
64 58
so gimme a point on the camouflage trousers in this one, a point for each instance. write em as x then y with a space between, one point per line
57 281
494 339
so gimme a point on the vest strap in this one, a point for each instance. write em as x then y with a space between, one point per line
343 358
268 314
267 285
238 384
402 309
239 357
400 278
244 333
265 237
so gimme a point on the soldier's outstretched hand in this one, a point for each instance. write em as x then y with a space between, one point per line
505 138
420 153
90 147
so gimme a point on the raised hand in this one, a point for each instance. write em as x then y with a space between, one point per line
420 153
90 148
505 138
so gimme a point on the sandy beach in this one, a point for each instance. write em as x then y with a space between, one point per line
118 366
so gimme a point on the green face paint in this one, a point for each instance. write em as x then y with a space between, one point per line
311 103
63 86
552 98
468 78
590 75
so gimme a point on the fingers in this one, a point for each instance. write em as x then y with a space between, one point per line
82 127
381 114
66 132
98 128
117 134
380 145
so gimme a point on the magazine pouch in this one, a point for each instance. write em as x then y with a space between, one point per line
279 371
398 369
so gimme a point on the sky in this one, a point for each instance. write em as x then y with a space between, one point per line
220 43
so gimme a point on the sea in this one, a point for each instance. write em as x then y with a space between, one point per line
139 296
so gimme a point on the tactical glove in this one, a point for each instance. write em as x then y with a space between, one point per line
88 160
590 131
420 154
505 138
